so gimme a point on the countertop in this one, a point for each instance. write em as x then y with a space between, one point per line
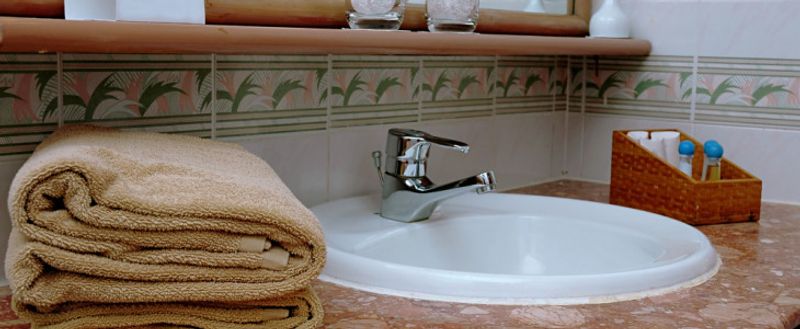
758 286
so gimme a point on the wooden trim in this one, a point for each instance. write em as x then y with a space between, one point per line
286 13
33 8
583 10
25 35
330 14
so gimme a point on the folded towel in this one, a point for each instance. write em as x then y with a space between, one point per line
297 310
130 217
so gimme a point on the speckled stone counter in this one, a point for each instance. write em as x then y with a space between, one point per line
758 286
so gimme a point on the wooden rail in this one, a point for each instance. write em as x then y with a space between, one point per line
25 35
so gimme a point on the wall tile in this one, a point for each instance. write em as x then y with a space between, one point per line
656 86
769 154
749 29
457 87
558 83
166 93
671 26
557 165
369 90
760 92
574 144
28 101
524 84
299 159
351 169
271 94
8 169
523 144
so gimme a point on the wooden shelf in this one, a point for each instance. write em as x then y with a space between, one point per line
26 35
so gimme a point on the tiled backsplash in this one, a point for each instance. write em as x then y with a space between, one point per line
258 95
759 92
738 101
653 86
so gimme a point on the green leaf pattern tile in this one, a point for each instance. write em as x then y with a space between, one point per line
754 91
457 83
28 90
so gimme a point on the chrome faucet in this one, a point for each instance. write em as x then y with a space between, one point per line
408 194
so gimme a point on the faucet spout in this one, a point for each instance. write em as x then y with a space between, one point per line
414 199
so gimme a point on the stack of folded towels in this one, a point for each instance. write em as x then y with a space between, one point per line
127 229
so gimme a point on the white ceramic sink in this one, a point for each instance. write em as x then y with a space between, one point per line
513 249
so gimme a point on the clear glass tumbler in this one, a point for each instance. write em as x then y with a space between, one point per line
452 15
375 14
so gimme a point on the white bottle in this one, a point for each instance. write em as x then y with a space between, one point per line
609 22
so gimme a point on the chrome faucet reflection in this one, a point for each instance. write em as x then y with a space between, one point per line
408 194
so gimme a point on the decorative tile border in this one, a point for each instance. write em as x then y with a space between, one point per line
270 94
165 93
656 86
28 101
274 94
524 84
457 87
736 91
370 90
748 91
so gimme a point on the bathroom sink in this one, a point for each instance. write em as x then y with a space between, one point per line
513 249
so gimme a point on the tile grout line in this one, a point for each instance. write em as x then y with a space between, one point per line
494 85
553 92
213 96
582 136
567 86
553 112
329 90
421 75
693 102
328 124
60 87
495 124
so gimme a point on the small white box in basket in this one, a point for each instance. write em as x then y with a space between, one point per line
172 11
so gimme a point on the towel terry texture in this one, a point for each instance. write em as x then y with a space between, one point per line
118 224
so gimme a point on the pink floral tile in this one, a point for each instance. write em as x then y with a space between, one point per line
462 79
103 87
271 83
28 90
523 81
643 85
749 90
374 81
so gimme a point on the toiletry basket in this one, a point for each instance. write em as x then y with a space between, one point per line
642 180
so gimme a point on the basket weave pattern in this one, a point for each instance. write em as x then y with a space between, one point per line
642 180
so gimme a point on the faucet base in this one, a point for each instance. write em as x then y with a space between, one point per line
414 199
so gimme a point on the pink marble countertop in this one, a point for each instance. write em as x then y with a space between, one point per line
758 286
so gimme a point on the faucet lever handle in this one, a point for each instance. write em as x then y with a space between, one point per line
431 139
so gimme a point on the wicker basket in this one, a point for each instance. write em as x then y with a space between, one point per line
642 180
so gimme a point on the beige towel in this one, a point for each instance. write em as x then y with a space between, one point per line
110 216
298 310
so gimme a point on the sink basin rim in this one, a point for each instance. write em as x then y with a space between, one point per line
686 267
516 301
